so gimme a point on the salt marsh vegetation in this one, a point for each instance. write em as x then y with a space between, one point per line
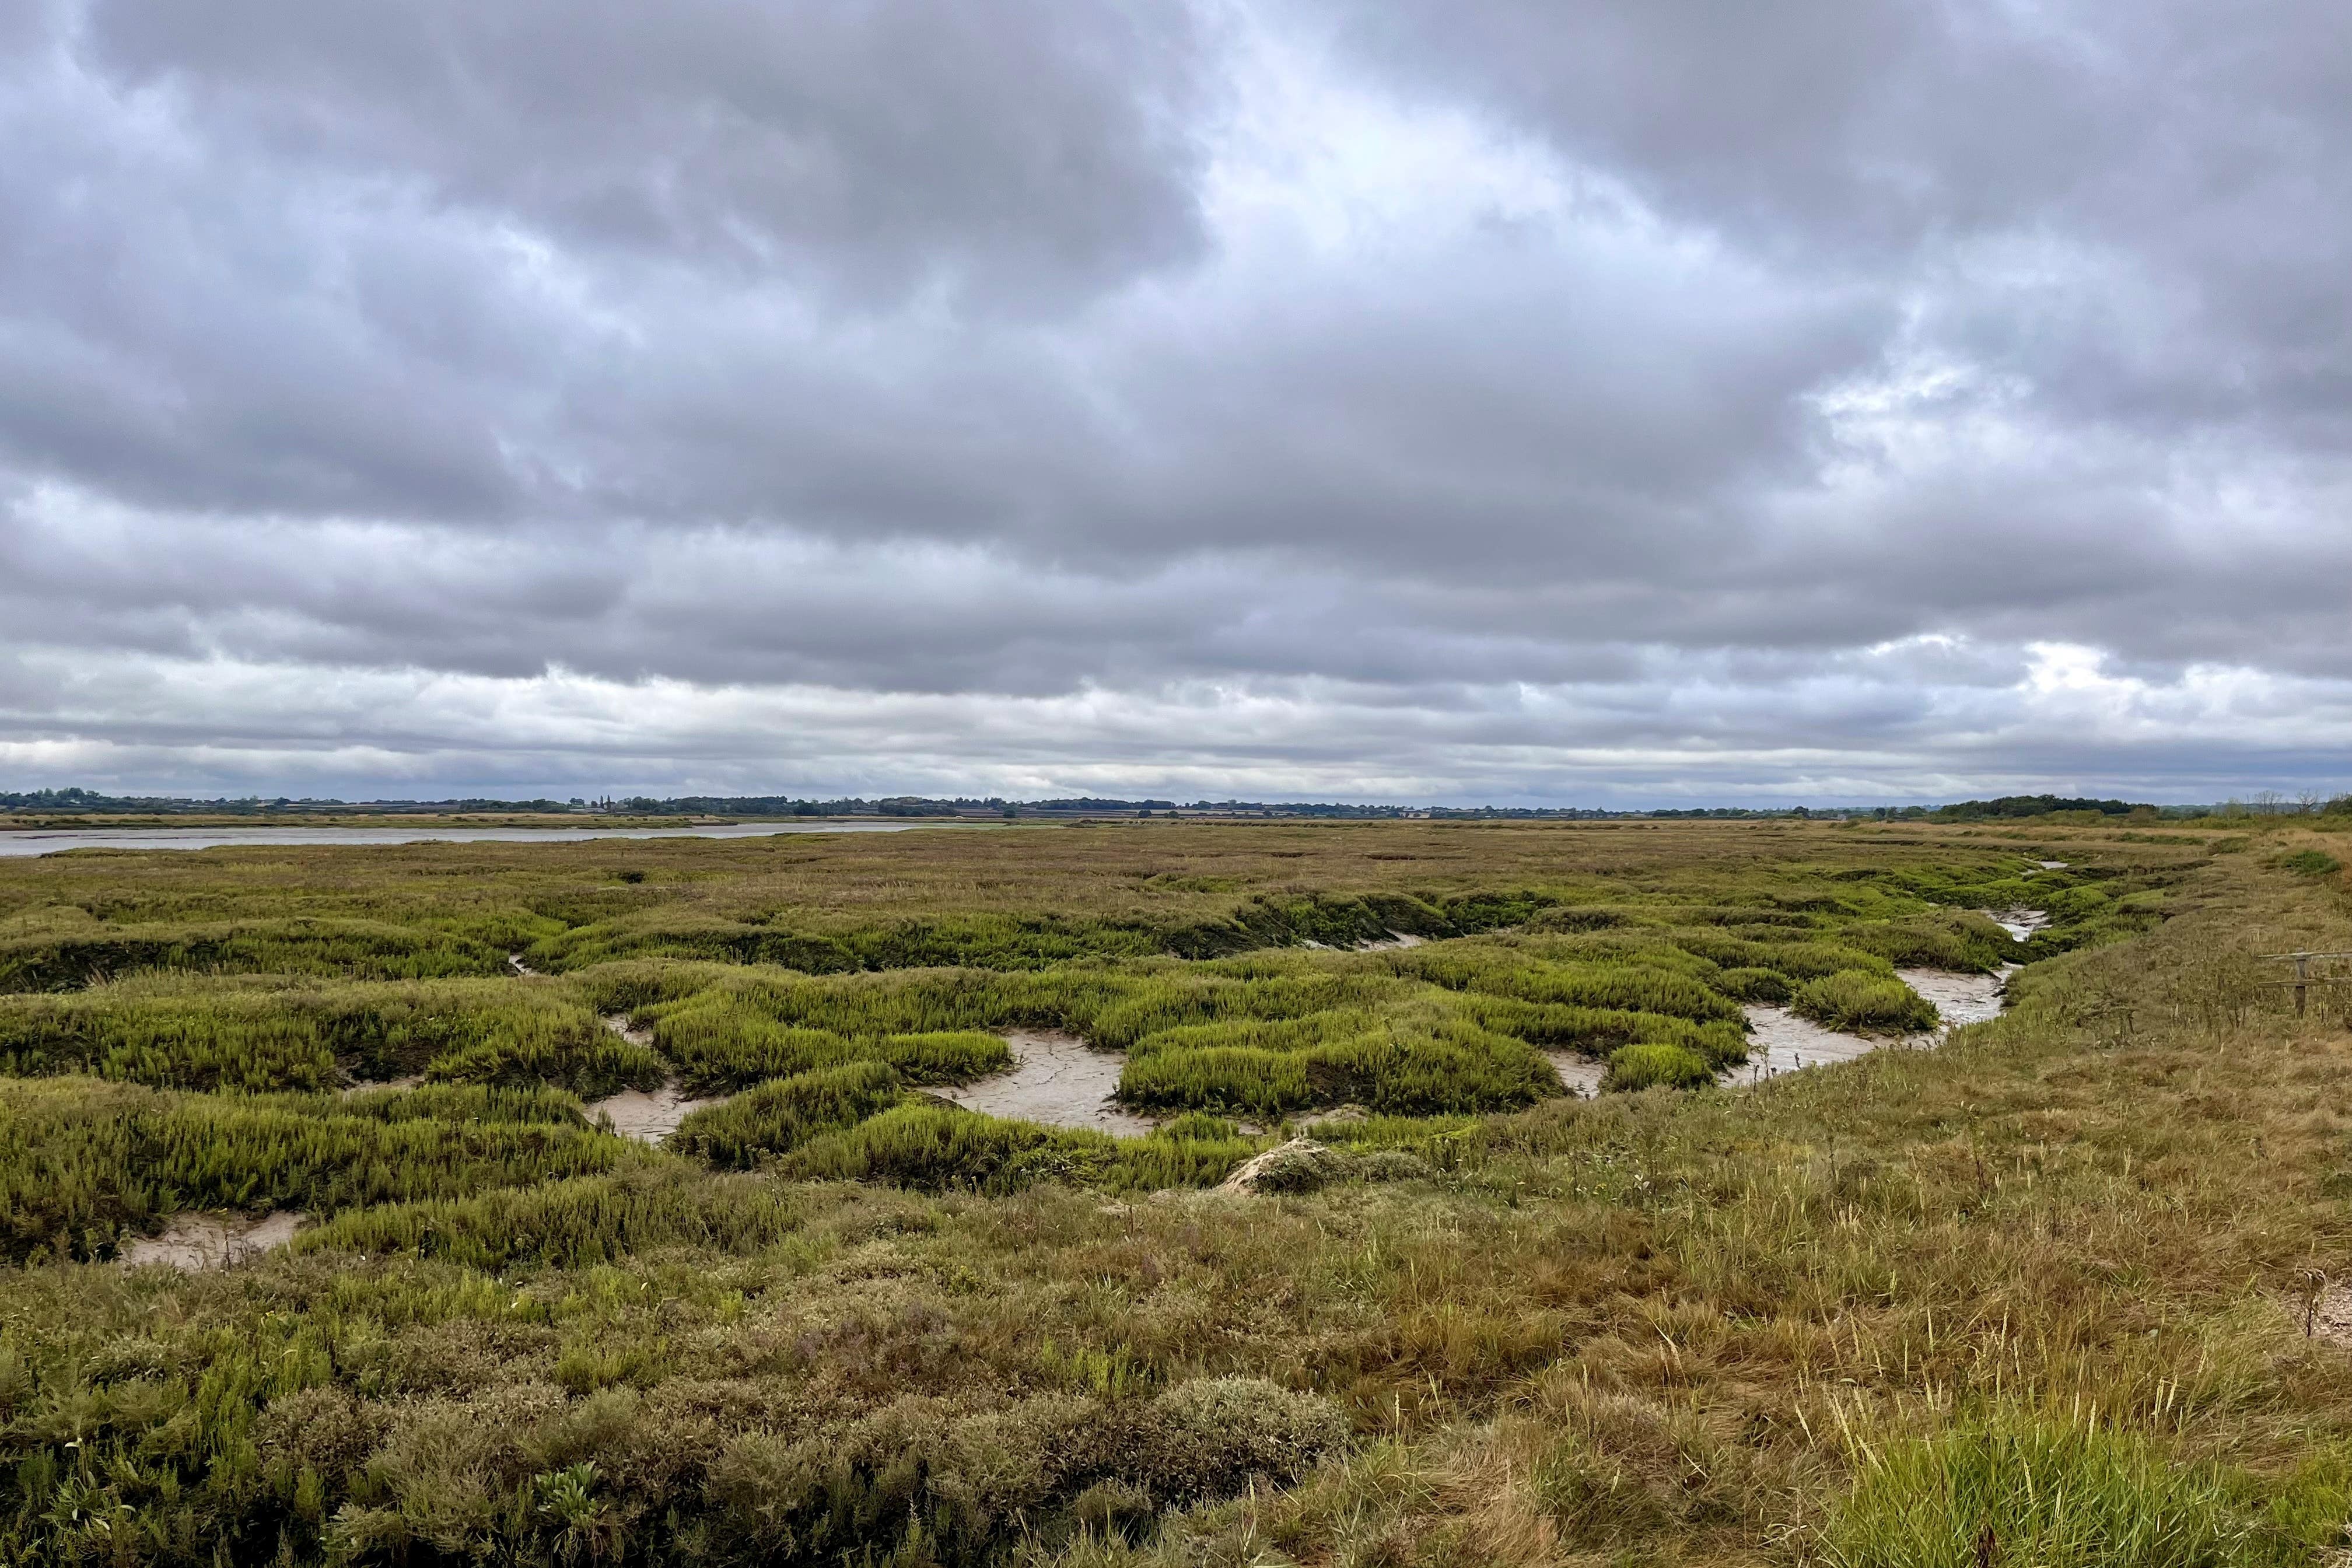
854 1288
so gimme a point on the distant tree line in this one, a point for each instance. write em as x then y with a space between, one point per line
73 802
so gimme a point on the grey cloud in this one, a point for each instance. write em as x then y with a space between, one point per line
2143 208
914 370
874 145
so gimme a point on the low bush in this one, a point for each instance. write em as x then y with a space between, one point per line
779 1116
1768 985
1632 1067
84 1162
934 1148
572 1224
1861 1002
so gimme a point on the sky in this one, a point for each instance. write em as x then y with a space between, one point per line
1540 402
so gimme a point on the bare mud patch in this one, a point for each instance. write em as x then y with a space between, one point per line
194 1243
1580 1076
2328 1316
1057 1080
650 1118
1782 1041
1394 941
410 1080
619 1024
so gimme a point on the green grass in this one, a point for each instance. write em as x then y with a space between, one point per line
937 1148
779 1116
1635 1068
175 1032
646 1207
84 1164
2065 1492
1864 1003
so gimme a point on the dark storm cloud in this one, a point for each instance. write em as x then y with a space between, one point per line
1509 400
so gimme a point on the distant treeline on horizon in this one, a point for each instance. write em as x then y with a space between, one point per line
83 802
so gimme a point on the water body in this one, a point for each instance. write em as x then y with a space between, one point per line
1780 1041
45 842
1057 1080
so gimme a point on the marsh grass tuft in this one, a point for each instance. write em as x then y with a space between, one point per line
1864 1003
2059 1491
1634 1068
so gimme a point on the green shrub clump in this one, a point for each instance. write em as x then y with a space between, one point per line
1655 1065
1864 1003
779 1116
934 1147
82 1162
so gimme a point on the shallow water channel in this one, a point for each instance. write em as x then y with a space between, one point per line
646 1116
1780 1041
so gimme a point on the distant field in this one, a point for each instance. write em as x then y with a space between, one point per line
1477 1318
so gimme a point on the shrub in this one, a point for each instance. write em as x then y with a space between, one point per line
1755 985
1632 1067
920 1481
573 1224
2312 863
779 1116
934 1147
1864 1003
82 1162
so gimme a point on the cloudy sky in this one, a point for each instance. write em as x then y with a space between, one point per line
1544 401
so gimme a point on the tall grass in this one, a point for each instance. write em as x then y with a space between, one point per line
571 1224
1861 1002
1635 1068
1621 1329
781 1115
2056 1491
936 1148
180 1033
343 948
83 1163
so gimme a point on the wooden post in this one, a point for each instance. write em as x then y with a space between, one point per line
2302 973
